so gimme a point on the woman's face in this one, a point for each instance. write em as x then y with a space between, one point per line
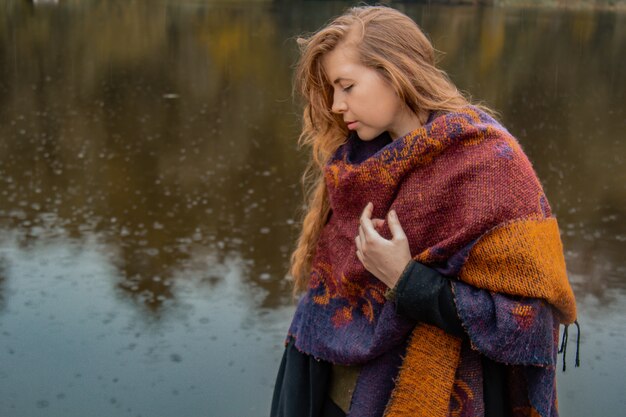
368 103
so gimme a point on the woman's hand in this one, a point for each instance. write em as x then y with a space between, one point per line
385 259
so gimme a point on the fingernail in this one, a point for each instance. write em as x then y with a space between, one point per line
394 214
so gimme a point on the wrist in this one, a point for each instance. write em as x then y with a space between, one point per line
390 294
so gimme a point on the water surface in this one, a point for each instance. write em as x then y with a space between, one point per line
149 181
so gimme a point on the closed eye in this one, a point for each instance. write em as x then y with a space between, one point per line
348 88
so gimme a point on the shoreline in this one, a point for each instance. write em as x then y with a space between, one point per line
596 5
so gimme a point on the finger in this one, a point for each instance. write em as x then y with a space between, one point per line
394 225
357 240
362 237
367 211
366 221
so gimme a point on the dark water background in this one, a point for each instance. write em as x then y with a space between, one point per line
149 192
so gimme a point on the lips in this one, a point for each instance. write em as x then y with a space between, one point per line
351 124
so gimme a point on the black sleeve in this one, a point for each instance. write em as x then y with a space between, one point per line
424 295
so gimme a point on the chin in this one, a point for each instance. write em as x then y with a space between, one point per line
367 136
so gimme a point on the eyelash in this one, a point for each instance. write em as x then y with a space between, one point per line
348 88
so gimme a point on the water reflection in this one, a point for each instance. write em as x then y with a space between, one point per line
101 354
157 141
149 183
3 274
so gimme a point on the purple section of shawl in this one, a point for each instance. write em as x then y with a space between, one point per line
515 331
541 389
316 334
375 383
507 329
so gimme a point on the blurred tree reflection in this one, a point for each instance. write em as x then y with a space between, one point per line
156 128
169 129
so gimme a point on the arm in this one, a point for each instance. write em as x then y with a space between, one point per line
424 295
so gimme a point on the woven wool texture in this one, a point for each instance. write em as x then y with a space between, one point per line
472 208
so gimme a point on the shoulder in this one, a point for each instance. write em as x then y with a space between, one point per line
470 130
467 119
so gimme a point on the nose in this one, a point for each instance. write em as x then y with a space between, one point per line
339 104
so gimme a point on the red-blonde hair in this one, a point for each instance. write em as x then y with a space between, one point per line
387 41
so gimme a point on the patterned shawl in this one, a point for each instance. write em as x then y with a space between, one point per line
471 207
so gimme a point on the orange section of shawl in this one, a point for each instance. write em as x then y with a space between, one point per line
426 378
524 258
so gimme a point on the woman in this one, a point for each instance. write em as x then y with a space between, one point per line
430 264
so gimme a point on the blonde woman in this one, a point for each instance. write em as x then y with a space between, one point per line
429 267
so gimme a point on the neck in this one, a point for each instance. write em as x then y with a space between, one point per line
411 122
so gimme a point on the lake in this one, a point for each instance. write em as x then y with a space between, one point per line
150 195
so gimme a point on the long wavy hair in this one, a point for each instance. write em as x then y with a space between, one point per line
387 41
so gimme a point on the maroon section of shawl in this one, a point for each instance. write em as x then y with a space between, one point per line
450 182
